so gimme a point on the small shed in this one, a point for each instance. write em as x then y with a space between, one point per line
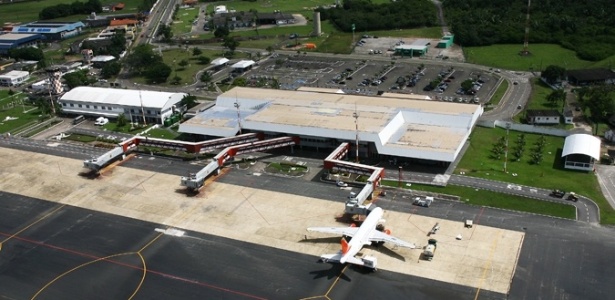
581 151
446 41
417 48
100 60
310 46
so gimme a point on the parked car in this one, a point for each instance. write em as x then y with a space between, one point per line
557 193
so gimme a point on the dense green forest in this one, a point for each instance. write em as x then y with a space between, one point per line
584 26
368 16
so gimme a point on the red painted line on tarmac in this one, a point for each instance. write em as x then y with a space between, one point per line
479 215
94 257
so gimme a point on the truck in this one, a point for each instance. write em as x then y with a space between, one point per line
430 249
573 197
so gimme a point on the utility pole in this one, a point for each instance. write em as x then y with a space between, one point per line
355 115
142 109
508 124
237 106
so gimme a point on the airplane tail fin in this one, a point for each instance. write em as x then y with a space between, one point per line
345 246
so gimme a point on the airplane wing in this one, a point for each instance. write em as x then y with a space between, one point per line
378 236
347 231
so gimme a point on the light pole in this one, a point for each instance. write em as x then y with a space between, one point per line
238 115
508 124
355 115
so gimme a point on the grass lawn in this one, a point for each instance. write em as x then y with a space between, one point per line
182 25
497 200
499 93
28 11
538 98
507 57
162 133
112 127
10 106
550 174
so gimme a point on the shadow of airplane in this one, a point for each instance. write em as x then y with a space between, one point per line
333 272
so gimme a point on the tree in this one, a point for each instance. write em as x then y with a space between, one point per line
142 58
176 80
111 69
196 51
205 77
239 81
600 103
221 32
203 60
79 78
165 31
467 85
230 43
556 96
158 72
29 53
189 101
553 73
121 120
183 63
255 19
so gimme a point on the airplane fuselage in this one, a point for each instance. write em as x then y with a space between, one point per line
361 238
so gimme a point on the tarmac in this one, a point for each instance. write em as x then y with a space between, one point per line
484 259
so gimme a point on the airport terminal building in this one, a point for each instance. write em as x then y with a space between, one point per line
389 126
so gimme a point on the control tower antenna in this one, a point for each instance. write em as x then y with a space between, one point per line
526 40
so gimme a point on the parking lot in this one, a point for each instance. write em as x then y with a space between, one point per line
373 77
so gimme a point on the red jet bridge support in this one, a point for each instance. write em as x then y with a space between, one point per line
355 203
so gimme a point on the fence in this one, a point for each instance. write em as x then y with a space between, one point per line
525 128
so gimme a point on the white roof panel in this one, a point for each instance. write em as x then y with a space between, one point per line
582 144
122 97
243 64
219 61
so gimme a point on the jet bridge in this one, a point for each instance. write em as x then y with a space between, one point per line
355 203
123 148
196 180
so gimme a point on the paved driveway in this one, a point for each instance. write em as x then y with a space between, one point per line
606 178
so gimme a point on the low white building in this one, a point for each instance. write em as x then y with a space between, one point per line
220 9
14 78
110 103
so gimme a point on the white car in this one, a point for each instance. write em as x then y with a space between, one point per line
101 121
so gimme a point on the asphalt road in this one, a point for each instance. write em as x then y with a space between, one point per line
587 210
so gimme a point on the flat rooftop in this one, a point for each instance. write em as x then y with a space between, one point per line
485 258
396 123
16 36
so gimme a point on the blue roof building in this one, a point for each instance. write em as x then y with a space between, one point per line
51 30
10 41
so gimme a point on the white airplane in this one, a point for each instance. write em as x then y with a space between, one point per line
360 236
